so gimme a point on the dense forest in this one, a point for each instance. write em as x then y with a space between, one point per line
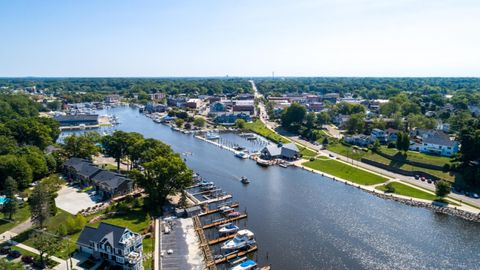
370 88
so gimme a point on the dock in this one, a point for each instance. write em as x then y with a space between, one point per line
220 222
221 239
213 211
232 256
203 242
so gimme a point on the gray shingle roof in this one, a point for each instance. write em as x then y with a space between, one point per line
110 179
112 233
82 166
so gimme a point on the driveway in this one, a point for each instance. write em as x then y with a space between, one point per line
70 200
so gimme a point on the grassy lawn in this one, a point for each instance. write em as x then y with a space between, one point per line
407 167
22 215
402 189
419 157
345 171
258 127
306 153
347 151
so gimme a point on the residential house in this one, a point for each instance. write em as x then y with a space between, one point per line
315 107
330 97
109 184
245 96
392 134
230 119
79 170
152 107
176 101
287 151
380 135
117 245
433 142
360 140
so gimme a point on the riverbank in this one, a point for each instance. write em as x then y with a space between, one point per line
463 211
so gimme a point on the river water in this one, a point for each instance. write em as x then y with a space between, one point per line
302 220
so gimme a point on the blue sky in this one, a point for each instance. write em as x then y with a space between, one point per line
240 38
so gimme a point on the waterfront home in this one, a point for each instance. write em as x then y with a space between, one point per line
152 107
433 142
176 101
117 245
79 170
287 151
360 140
229 119
76 120
380 135
109 184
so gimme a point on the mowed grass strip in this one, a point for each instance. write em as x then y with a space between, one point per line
258 127
345 171
409 191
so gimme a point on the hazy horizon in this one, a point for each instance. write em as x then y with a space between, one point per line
175 39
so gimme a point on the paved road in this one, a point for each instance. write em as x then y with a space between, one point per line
335 132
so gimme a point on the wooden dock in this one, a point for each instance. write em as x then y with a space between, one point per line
203 242
214 224
234 205
221 239
232 256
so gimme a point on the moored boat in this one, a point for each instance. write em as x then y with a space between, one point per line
242 155
262 162
229 228
246 265
212 136
233 214
242 239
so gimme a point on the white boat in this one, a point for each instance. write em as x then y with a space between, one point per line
245 180
228 228
283 165
212 136
246 265
226 209
242 239
242 155
263 163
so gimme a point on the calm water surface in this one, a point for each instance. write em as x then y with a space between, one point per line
304 221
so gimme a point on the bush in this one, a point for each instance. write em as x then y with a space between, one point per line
446 167
312 159
389 188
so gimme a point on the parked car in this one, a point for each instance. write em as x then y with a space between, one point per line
14 254
429 181
27 259
422 178
5 250
417 176
331 155
475 195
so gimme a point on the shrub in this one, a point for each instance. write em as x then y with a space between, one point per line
389 188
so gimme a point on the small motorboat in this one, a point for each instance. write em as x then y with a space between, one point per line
283 165
233 214
245 180
246 265
229 228
212 136
242 155
242 239
226 209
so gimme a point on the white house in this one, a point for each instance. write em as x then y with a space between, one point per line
435 142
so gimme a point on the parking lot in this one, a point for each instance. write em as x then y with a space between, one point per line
179 247
72 201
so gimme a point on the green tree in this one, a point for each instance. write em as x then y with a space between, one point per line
293 115
17 168
389 188
179 122
240 123
355 124
376 146
40 205
163 176
82 146
310 120
199 121
116 146
4 264
46 244
442 188
323 118
36 159
11 205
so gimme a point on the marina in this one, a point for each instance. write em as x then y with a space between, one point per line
336 225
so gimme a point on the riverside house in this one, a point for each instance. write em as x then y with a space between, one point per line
287 151
433 142
117 245
107 184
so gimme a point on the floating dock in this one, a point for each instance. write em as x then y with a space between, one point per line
213 211
224 221
232 256
221 239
